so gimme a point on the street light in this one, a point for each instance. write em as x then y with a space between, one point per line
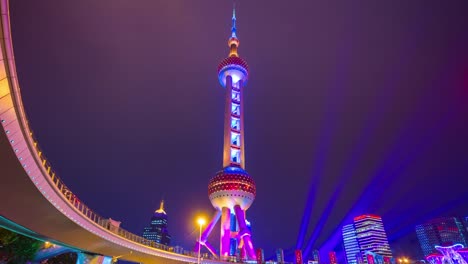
403 260
200 222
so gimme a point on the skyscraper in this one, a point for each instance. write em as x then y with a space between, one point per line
443 231
157 230
371 236
332 257
351 244
316 255
260 256
232 190
298 256
279 256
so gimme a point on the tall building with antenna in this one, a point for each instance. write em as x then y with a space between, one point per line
157 229
232 190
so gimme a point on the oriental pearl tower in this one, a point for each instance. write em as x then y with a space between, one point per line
232 190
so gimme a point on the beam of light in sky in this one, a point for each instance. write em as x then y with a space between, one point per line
392 169
329 128
364 140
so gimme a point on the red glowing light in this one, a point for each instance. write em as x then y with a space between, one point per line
367 216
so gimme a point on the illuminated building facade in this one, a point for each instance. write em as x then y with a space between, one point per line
232 190
371 236
260 256
298 256
157 230
316 255
360 258
350 243
440 231
332 257
279 255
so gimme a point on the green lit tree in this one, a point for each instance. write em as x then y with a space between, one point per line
16 248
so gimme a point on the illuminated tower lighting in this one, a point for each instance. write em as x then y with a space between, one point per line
371 237
440 231
351 244
232 190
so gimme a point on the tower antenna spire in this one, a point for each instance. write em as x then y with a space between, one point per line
233 40
233 29
161 208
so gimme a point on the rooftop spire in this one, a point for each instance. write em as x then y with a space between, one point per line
233 40
233 29
161 208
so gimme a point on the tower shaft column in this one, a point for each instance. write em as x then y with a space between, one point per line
227 123
225 239
241 102
233 153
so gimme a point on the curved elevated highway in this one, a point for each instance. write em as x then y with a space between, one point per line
36 202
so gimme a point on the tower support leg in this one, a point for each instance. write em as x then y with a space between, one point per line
210 226
207 232
244 232
225 233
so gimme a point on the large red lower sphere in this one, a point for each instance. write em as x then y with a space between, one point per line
232 186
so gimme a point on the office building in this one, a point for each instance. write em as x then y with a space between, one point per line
371 235
279 256
444 231
351 244
332 257
157 230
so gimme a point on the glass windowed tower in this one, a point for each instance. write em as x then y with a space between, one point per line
232 190
371 235
443 231
351 244
157 229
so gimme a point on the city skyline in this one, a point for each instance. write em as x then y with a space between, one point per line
300 140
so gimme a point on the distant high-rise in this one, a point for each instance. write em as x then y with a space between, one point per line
316 255
157 230
351 244
371 236
298 256
332 257
260 256
443 231
279 256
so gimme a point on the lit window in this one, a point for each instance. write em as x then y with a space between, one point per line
235 109
235 96
235 124
235 139
235 155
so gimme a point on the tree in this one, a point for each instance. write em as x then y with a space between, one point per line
17 248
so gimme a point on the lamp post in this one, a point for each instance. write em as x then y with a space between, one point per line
200 222
403 260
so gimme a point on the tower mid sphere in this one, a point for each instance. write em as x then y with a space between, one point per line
231 186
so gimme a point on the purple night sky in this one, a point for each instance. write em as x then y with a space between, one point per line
351 107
